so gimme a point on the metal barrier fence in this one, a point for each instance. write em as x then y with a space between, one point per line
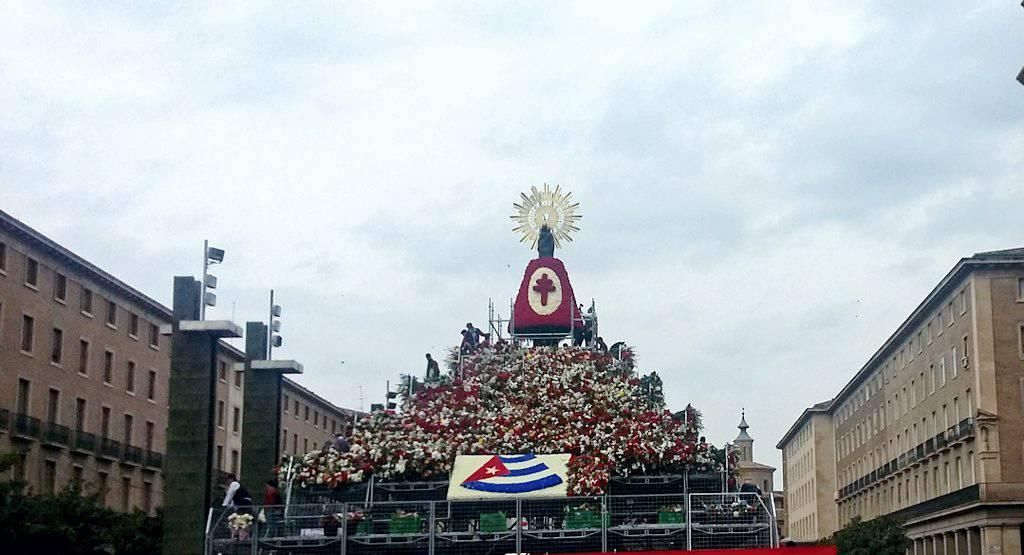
558 525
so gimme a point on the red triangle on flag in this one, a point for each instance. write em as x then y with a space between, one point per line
490 469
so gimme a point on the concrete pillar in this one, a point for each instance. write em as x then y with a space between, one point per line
974 541
188 470
261 411
992 540
1011 539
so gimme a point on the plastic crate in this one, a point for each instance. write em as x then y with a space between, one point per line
671 517
410 524
493 522
576 520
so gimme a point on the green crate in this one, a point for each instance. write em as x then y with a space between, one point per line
364 527
671 517
576 520
493 522
405 524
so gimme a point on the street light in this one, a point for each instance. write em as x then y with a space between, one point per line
211 256
273 337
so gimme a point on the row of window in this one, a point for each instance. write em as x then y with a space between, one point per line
49 483
943 318
318 421
805 528
222 374
910 437
80 424
925 484
236 417
83 364
86 298
235 457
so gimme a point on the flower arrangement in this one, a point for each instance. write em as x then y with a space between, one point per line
239 521
522 400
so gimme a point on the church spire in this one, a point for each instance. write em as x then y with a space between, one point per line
743 435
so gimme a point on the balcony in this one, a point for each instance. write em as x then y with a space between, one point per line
56 435
26 426
940 441
929 446
154 459
132 455
920 451
84 442
966 429
110 449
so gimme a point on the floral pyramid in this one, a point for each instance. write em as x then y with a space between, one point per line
523 400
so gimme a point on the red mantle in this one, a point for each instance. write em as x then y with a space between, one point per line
545 304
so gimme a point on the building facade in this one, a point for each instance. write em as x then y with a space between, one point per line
931 428
308 421
84 375
808 472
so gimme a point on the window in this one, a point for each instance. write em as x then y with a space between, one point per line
28 333
126 493
80 414
57 347
949 313
963 301
77 476
130 378
60 287
220 457
105 422
931 376
286 404
316 418
147 497
222 371
32 272
238 379
236 419
150 429
133 325
305 445
102 486
112 313
154 336
942 371
941 321
220 414
1020 290
53 406
87 301
295 443
83 357
129 424
151 386
49 476
306 416
929 329
234 461
954 361
3 257
296 408
284 440
108 367
967 353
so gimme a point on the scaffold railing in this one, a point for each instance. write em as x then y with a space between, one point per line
525 525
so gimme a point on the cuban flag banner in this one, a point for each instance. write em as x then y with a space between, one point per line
483 476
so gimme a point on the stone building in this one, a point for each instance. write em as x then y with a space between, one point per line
761 475
931 428
808 472
84 378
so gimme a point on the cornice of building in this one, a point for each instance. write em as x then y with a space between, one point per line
34 238
988 260
817 408
309 393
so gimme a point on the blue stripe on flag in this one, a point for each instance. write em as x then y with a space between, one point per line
517 459
521 487
539 467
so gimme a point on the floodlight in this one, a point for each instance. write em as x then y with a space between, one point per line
211 281
210 299
275 311
277 341
275 325
213 254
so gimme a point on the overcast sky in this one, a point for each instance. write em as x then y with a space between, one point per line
767 190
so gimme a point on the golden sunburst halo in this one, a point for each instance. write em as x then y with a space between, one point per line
553 207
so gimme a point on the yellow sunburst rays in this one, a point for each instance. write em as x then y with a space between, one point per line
552 207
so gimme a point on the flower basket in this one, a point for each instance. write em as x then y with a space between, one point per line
405 524
671 517
493 522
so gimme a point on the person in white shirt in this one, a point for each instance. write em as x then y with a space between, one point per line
236 494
